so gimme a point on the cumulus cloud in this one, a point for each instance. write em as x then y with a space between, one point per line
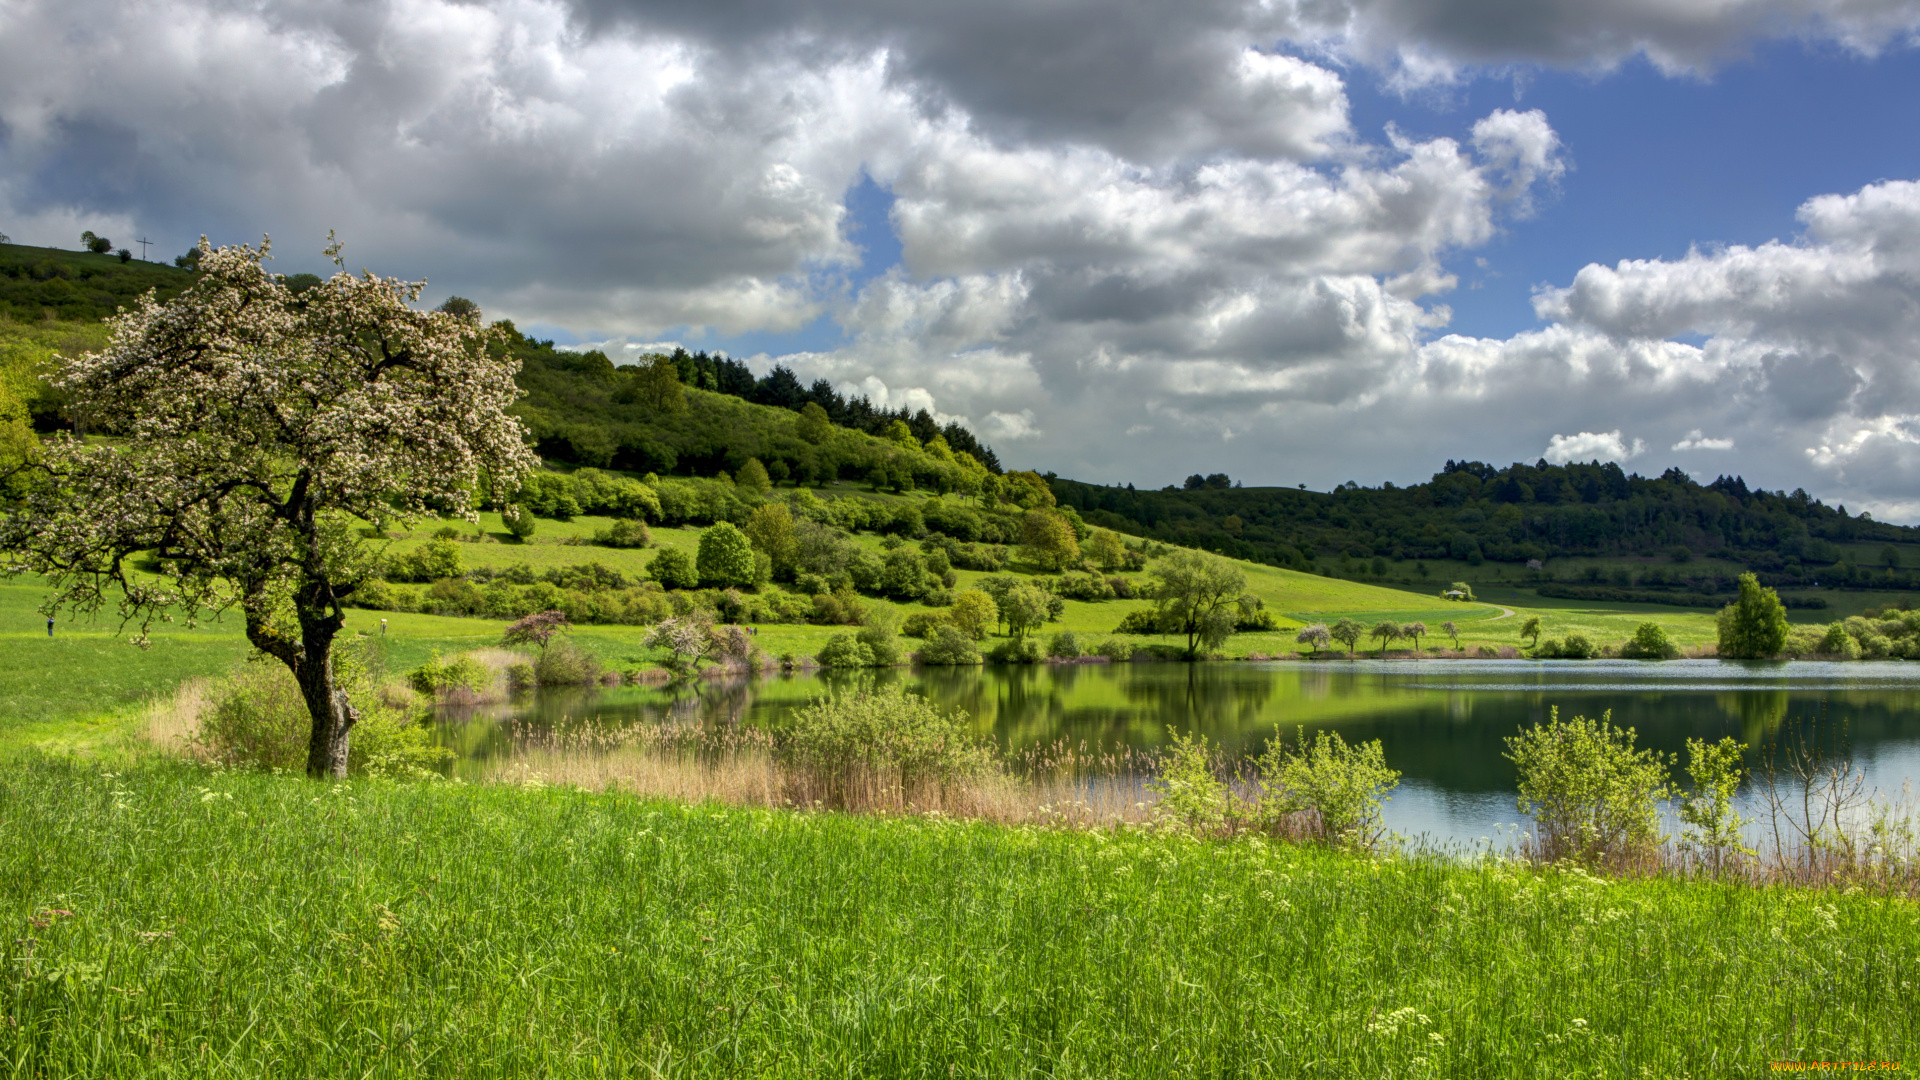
1698 440
1592 446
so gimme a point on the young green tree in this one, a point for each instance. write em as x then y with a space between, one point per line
753 477
974 613
1452 630
673 570
770 530
725 557
1106 550
1531 629
1348 632
1386 632
1414 630
1593 796
256 431
1047 539
1713 825
1754 626
655 383
814 425
1197 595
1023 608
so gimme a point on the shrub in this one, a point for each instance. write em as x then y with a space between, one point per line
1337 788
1837 642
565 663
877 745
256 718
844 651
438 677
880 639
921 624
1190 793
1118 650
1754 626
725 557
1021 650
673 570
1578 647
1090 587
624 534
430 561
519 522
1066 645
974 613
1592 795
1144 621
1650 642
1713 824
946 645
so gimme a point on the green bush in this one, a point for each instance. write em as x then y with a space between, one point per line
1592 795
725 557
1021 650
564 663
922 624
1755 626
1066 645
431 561
624 534
946 645
519 522
844 651
1650 642
1191 794
1119 650
1713 824
876 745
256 718
673 570
439 677
1338 789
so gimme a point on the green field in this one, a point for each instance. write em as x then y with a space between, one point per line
172 921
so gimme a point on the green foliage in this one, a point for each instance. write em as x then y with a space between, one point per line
1650 642
1339 789
1017 650
1593 796
256 718
1198 596
753 477
624 534
1531 629
845 651
884 737
1066 645
974 613
725 557
1347 632
1047 539
439 677
431 561
519 521
1460 591
947 646
1118 650
1754 626
565 663
880 637
77 288
1575 646
673 569
1713 825
1190 791
1386 632
1022 608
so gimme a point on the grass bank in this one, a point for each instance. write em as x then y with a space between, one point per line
167 920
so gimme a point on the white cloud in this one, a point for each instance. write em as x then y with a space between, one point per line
1697 440
1591 446
1011 426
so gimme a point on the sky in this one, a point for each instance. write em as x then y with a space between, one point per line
1295 241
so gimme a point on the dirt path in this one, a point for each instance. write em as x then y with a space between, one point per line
1505 613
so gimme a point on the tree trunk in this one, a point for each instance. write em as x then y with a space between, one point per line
333 717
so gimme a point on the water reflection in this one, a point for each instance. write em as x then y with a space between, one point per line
1442 723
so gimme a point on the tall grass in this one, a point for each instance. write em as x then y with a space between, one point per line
175 920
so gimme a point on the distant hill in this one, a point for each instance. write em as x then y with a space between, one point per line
47 284
1470 512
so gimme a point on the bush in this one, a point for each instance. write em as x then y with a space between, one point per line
1144 621
673 570
947 645
624 534
1189 790
519 522
1118 650
256 718
921 624
1755 626
1066 645
1021 650
880 639
1650 642
1593 796
564 663
430 561
1837 642
725 557
1090 587
1337 788
844 651
438 677
880 745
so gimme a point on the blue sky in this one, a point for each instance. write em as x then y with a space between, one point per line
1123 240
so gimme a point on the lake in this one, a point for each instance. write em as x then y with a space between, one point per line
1441 722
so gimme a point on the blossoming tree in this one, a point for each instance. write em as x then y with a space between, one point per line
249 430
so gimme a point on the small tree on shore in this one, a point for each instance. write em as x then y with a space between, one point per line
1386 632
1531 630
1348 632
1198 596
1414 630
1754 626
255 430
1452 630
1315 637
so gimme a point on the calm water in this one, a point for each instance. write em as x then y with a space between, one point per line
1441 722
